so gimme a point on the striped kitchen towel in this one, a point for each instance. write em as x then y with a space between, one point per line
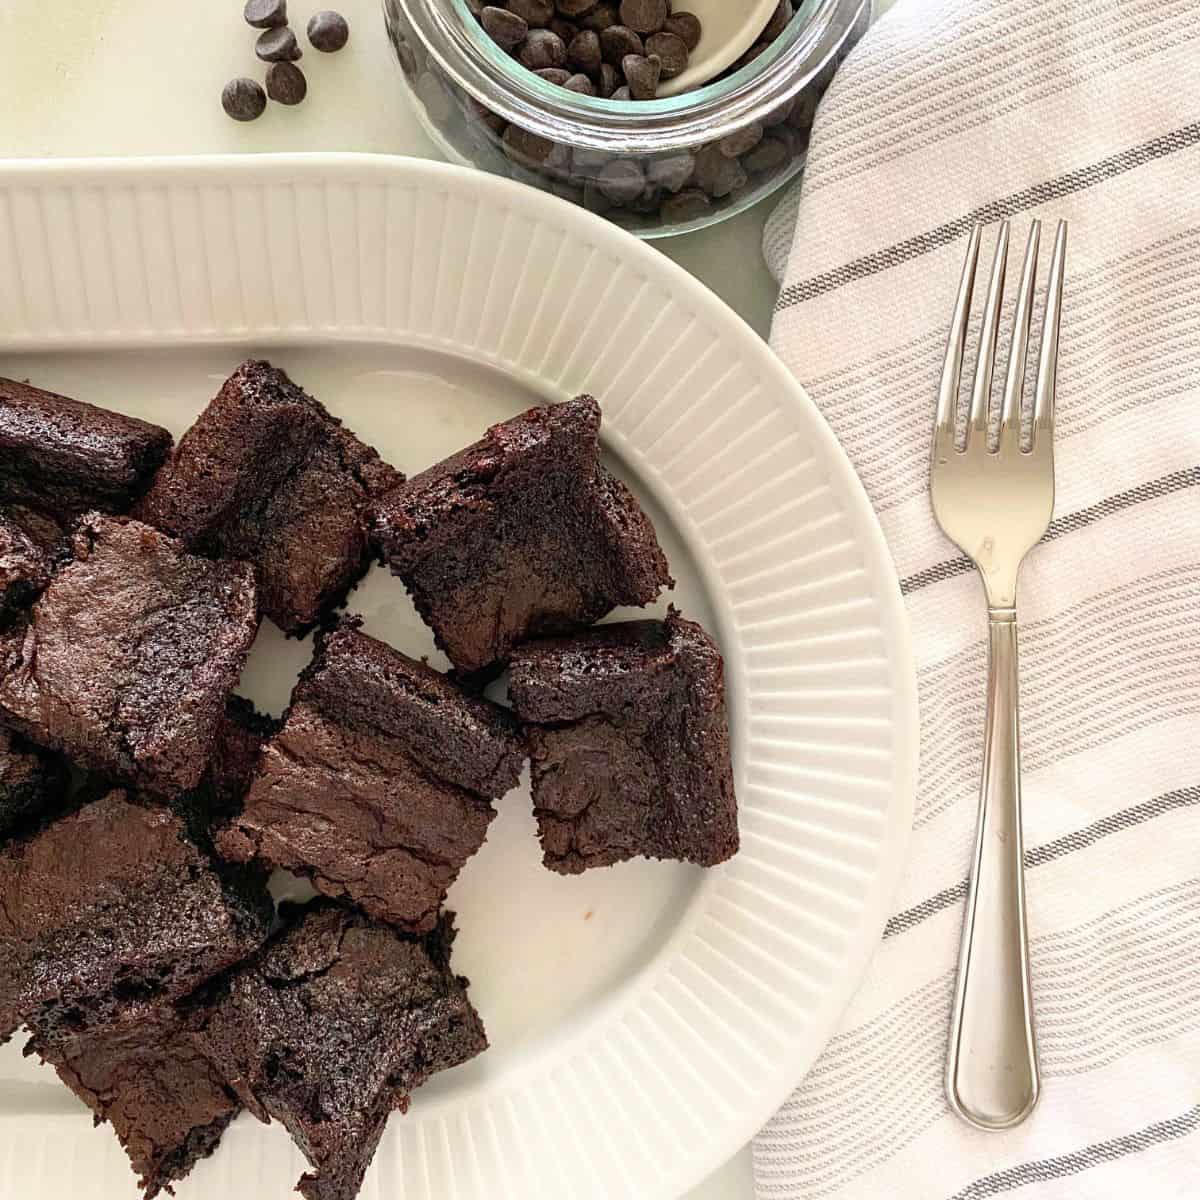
952 112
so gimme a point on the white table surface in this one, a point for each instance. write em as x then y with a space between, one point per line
125 77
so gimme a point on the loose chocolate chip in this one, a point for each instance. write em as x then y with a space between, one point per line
555 75
536 14
673 172
650 201
741 142
265 14
575 8
642 74
589 162
645 16
564 29
769 155
328 31
779 21
542 49
506 29
583 52
581 84
621 181
686 206
608 80
277 45
621 93
718 175
618 41
286 83
432 93
604 16
685 26
243 100
673 51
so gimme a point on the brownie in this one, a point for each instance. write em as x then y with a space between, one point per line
267 475
378 786
61 458
167 1103
24 569
126 660
33 782
629 741
332 1025
524 534
111 911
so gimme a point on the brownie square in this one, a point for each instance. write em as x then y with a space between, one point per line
33 782
127 658
111 911
630 745
167 1103
62 458
378 786
267 475
24 569
521 535
332 1025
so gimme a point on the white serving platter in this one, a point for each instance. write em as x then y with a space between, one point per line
644 1020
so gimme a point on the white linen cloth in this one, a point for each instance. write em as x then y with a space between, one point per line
948 113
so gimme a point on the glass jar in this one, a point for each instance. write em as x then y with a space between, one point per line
656 167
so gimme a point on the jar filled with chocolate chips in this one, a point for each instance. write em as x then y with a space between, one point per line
594 101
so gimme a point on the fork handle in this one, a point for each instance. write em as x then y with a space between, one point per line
992 1078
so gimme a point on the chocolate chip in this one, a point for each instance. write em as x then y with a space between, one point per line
286 83
673 51
686 206
432 93
604 16
527 149
277 45
328 31
564 29
589 162
741 142
686 26
673 172
265 14
642 74
777 116
780 19
717 174
769 155
582 84
575 8
621 181
645 16
622 93
801 116
583 52
555 75
482 115
608 80
243 100
506 29
594 200
618 41
542 49
537 14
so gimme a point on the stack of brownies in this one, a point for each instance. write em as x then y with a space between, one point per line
143 803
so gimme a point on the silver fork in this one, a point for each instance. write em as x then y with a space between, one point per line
997 504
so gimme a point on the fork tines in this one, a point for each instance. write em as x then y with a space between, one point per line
981 388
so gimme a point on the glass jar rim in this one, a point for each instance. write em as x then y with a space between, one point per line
473 62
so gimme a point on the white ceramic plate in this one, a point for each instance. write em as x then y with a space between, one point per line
647 1019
